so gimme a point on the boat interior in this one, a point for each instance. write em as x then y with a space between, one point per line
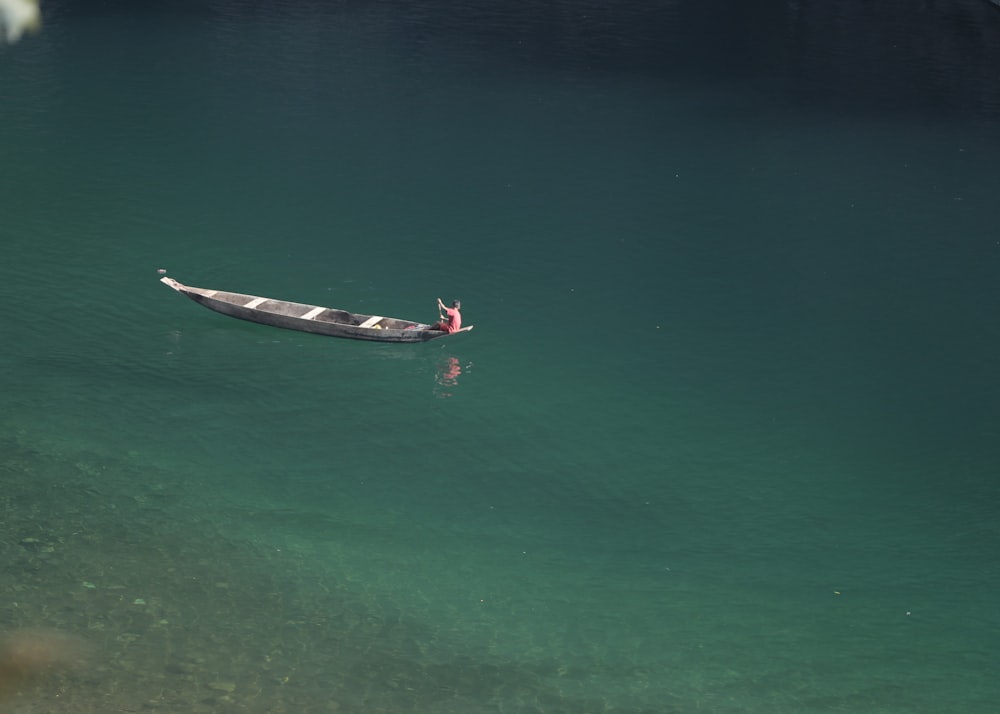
312 312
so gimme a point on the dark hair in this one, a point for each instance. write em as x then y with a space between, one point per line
457 304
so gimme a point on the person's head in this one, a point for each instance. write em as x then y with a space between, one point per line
457 304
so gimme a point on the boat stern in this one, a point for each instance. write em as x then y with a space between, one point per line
187 289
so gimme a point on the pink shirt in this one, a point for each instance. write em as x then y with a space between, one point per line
454 319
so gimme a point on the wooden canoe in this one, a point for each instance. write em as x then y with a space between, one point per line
309 318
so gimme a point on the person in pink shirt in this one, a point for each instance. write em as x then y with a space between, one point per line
454 321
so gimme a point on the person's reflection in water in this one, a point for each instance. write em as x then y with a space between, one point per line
448 372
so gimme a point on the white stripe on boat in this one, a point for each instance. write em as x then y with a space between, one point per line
255 302
371 321
313 313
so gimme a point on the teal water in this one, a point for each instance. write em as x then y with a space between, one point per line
724 438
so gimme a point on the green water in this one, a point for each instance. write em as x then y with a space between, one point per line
724 438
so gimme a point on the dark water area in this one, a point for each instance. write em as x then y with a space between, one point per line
724 438
935 57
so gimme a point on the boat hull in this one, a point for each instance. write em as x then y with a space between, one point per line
314 319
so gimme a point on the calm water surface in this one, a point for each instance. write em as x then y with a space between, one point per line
724 438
